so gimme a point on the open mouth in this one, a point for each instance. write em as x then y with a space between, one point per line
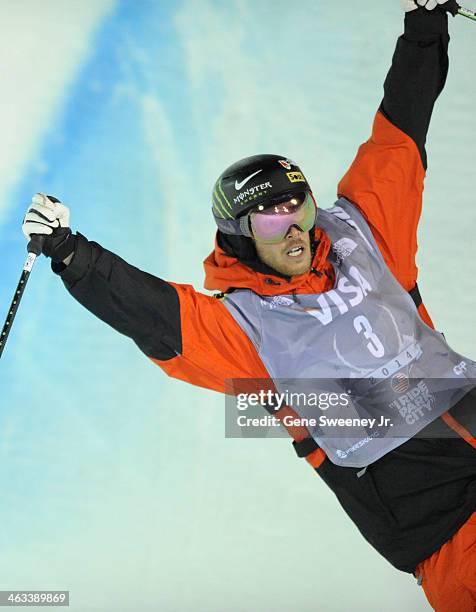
295 251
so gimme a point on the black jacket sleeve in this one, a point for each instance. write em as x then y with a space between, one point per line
141 306
418 74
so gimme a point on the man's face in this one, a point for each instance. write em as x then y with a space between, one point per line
292 256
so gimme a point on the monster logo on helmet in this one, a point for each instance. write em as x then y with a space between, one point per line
254 182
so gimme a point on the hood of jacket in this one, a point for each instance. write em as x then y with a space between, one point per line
224 272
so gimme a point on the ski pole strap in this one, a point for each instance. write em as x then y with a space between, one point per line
415 295
305 447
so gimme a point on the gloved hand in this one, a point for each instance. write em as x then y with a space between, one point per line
48 216
412 5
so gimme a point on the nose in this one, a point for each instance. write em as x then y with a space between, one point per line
293 232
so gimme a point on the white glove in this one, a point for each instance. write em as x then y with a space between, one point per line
49 217
411 5
44 215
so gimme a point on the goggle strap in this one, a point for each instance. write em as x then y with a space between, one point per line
234 227
245 226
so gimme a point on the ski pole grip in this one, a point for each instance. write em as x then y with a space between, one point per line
450 7
36 244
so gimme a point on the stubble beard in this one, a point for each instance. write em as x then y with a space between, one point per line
280 261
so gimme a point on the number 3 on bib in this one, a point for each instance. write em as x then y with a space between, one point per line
362 324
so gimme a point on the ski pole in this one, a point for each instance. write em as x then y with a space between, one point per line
455 9
34 249
467 13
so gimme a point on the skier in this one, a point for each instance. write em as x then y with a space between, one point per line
323 294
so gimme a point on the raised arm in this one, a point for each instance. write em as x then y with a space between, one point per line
190 335
386 178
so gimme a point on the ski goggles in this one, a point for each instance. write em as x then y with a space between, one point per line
270 225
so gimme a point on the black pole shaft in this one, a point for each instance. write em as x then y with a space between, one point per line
16 300
34 249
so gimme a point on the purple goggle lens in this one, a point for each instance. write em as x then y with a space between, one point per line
271 225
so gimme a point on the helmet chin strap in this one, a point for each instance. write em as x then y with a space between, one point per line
315 242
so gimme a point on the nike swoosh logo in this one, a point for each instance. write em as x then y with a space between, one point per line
238 185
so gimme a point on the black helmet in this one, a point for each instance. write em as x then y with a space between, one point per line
260 179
